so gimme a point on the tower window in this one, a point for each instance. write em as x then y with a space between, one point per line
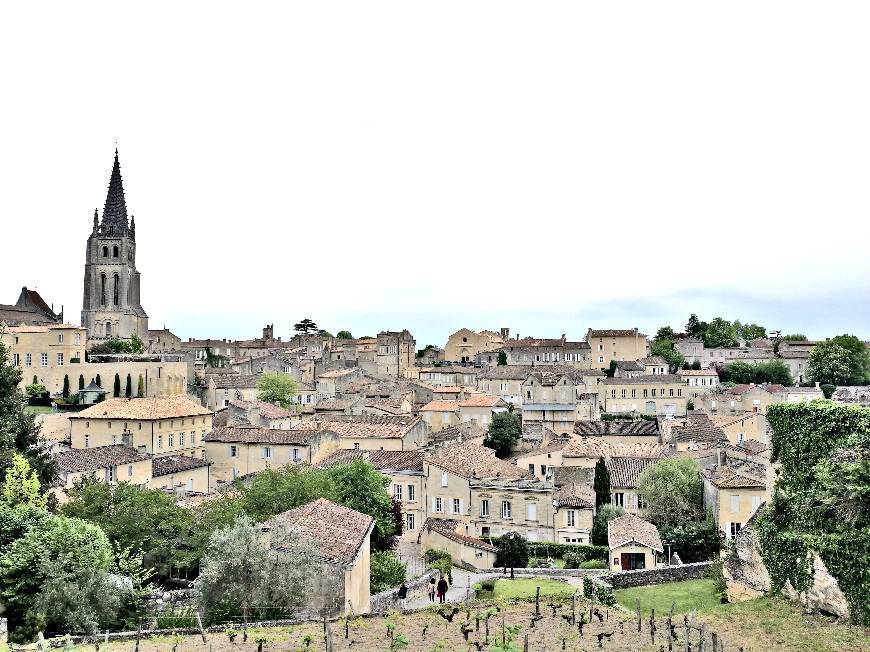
102 289
116 290
115 251
105 252
108 328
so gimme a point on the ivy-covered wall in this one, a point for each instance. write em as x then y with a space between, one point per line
821 500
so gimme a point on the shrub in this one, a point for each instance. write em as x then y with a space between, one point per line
588 587
604 595
36 390
573 559
441 561
387 571
594 563
558 550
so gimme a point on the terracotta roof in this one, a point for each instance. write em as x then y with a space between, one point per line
593 447
340 404
234 382
698 427
368 425
464 431
629 365
440 406
507 372
384 461
726 477
158 407
221 418
723 420
452 389
270 411
616 427
575 495
650 379
533 342
446 527
753 446
336 373
480 400
257 435
176 464
629 528
471 460
653 360
613 333
100 457
337 531
624 471
42 328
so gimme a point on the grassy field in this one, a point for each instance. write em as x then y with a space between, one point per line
692 595
37 409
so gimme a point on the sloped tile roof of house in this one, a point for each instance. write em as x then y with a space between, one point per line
381 460
726 477
650 379
336 373
708 373
624 471
440 406
698 427
234 382
368 425
176 464
613 333
99 457
446 527
244 434
575 495
629 528
594 447
616 427
336 531
158 407
480 400
471 460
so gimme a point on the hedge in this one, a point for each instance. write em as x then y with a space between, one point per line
558 550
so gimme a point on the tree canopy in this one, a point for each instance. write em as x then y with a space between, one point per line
830 363
672 491
772 371
504 431
344 335
305 326
859 358
278 389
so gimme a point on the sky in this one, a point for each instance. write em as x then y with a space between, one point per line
546 167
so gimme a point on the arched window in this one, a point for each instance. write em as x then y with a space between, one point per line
105 252
115 251
108 328
116 290
102 289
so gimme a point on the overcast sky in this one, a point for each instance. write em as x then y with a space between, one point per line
542 166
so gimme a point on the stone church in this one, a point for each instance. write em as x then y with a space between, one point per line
111 306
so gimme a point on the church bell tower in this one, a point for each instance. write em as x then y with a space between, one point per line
111 305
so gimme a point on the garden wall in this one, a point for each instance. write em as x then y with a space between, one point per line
385 600
648 576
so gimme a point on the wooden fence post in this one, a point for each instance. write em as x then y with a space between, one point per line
537 600
652 625
201 628
637 609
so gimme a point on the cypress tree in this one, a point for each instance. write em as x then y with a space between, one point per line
117 388
140 391
128 390
99 381
81 382
601 483
35 380
65 393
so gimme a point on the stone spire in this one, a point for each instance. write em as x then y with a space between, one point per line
96 220
133 226
115 210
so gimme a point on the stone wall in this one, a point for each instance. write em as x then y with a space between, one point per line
386 600
662 575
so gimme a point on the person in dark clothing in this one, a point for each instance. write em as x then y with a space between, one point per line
402 594
432 588
442 590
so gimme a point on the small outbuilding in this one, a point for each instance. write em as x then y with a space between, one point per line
633 542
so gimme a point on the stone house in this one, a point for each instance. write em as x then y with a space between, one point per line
693 350
464 344
396 354
661 394
555 400
260 413
740 428
852 395
29 310
633 543
342 538
628 369
796 355
223 389
696 432
699 381
574 512
733 495
376 432
172 425
440 414
545 352
480 408
741 399
624 474
614 344
163 340
467 552
541 461
405 472
181 473
505 381
332 383
449 375
351 406
237 451
654 366
112 463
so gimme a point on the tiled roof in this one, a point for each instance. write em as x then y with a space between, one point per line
593 447
613 333
629 365
221 418
464 431
257 435
698 427
158 407
452 389
337 532
480 400
382 460
368 425
616 427
446 527
624 471
575 495
653 360
698 372
753 446
507 372
471 460
42 328
340 404
440 406
532 342
175 464
270 411
726 477
234 382
100 457
650 379
629 528
336 373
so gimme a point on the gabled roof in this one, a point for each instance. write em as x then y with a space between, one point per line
169 464
230 381
481 400
471 460
575 495
625 471
726 477
157 407
368 425
613 333
595 448
100 457
649 379
629 528
447 527
384 461
336 531
440 406
616 427
255 435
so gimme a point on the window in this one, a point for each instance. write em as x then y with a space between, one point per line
226 402
110 474
600 358
484 508
43 359
397 491
443 479
438 504
756 502
739 437
409 522
457 506
115 251
234 451
618 499
531 511
267 452
735 503
734 530
505 509
159 441
295 454
87 441
532 469
412 493
570 518
16 360
105 252
28 359
181 439
543 469
356 445
641 502
171 440
77 338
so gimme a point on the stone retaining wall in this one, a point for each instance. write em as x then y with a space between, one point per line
386 600
648 576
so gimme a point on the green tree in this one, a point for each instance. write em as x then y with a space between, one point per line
81 382
36 390
140 389
117 389
99 381
18 430
604 515
693 541
772 371
386 572
305 326
65 391
504 431
696 365
720 333
665 333
278 389
512 551
502 359
859 358
344 335
738 372
829 363
128 388
695 327
672 491
601 483
324 333
749 332
610 372
667 350
21 486
17 521
360 487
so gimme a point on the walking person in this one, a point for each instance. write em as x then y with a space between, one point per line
432 588
442 590
402 594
